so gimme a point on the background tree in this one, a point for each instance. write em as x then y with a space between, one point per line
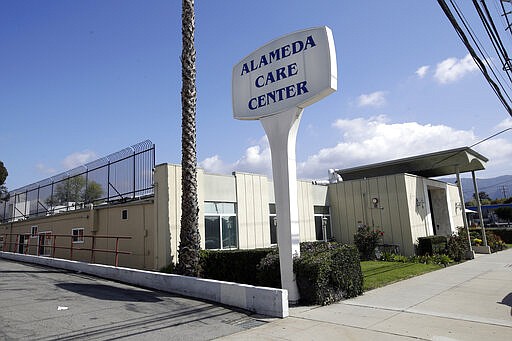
75 189
188 251
504 213
93 191
4 194
485 199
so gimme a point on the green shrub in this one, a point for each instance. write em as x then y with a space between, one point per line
504 234
324 277
313 275
318 246
366 241
268 272
325 272
169 269
346 272
494 242
494 239
440 259
458 245
232 265
431 245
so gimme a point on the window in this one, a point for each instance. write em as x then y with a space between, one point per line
45 243
273 223
124 214
220 225
322 223
78 235
33 231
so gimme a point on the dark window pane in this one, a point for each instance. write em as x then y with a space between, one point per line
273 230
318 228
321 209
328 228
229 233
272 208
212 232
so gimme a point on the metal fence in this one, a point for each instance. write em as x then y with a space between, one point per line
122 176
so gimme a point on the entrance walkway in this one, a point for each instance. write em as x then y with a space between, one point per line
469 301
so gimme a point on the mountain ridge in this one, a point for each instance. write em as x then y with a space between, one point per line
497 187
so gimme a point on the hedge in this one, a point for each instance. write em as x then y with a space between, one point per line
232 265
432 245
327 273
504 234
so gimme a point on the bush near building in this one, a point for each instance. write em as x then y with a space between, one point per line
366 240
504 233
326 271
238 266
431 245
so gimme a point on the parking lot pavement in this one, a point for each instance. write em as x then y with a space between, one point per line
40 303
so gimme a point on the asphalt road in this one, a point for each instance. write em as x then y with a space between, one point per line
39 303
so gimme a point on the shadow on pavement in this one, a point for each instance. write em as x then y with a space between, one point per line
110 293
507 300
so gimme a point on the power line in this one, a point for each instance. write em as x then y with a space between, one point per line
493 34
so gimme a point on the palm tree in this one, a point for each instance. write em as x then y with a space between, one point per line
188 251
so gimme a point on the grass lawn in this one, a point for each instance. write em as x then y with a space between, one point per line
379 273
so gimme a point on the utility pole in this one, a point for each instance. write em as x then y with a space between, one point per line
503 189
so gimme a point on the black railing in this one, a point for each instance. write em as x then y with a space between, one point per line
122 176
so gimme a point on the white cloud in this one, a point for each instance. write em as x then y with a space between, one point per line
256 159
366 141
422 71
78 158
375 99
45 170
499 152
505 124
369 140
214 164
453 69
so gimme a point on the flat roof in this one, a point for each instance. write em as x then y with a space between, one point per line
435 164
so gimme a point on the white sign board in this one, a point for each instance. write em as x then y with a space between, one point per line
292 71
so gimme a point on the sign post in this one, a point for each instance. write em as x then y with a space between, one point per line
273 85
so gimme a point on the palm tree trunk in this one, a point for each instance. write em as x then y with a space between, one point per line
188 252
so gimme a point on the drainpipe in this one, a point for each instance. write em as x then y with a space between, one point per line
471 254
479 205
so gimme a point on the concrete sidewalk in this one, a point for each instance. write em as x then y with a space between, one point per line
468 301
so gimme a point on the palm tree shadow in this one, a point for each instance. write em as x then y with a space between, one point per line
507 300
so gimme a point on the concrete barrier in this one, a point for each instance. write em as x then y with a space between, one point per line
261 300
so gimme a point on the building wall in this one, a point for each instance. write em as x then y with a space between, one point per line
100 221
397 204
352 205
454 207
252 210
167 213
252 194
401 210
418 206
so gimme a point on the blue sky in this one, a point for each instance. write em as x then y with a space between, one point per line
82 79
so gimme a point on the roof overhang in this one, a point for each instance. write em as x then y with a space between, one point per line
442 163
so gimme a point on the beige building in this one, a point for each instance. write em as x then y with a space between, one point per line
238 212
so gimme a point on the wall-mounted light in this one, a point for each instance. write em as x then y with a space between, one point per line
420 202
